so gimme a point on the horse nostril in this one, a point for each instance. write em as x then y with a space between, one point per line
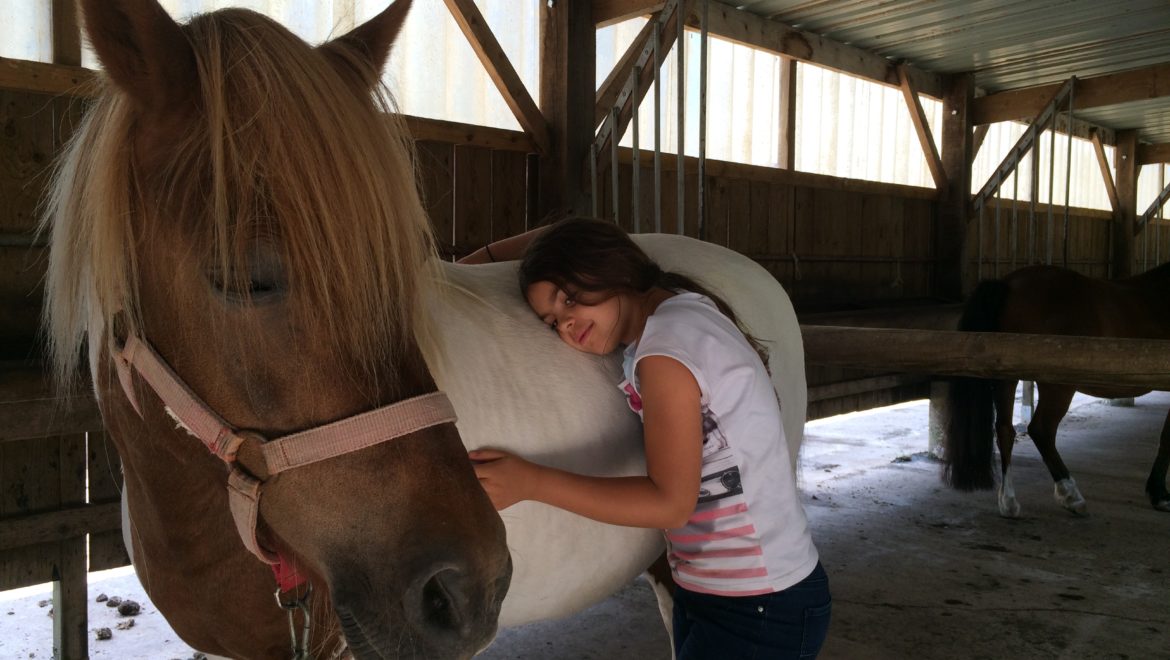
443 602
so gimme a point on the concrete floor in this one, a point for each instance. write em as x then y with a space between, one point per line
920 571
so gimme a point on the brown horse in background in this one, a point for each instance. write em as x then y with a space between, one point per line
1052 301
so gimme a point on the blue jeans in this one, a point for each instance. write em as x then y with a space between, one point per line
786 624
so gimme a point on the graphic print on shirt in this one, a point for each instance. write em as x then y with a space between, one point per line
718 550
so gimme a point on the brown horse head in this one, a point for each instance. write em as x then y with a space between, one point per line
246 204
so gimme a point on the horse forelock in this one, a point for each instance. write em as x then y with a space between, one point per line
283 145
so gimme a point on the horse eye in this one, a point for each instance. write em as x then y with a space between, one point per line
263 282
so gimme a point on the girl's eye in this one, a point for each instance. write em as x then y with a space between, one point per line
569 302
553 326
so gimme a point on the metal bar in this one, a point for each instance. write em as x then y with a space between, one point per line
593 156
613 149
1034 185
1015 216
1068 171
680 46
636 165
658 127
998 251
703 122
979 212
1048 239
1158 231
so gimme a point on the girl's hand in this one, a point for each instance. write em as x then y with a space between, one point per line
507 479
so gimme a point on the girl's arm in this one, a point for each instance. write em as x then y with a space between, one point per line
505 249
664 499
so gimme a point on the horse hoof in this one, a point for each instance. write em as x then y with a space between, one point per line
1163 505
1009 508
1069 496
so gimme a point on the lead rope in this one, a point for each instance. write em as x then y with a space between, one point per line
300 645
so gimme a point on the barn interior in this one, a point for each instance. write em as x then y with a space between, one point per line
877 269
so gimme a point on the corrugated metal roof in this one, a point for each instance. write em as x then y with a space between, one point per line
1005 44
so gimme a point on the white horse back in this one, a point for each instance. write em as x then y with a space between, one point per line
517 387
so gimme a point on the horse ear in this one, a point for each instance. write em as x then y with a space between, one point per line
367 46
143 51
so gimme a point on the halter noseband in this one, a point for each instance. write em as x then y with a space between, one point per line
265 458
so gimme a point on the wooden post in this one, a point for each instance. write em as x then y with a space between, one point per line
937 417
957 150
66 33
1126 165
787 113
70 574
567 96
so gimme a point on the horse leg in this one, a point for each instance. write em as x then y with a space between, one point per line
1053 403
1156 484
1005 439
660 579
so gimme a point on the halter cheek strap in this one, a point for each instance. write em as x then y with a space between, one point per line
271 456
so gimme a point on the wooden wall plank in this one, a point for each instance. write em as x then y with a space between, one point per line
718 210
509 197
106 549
472 197
739 215
436 162
29 483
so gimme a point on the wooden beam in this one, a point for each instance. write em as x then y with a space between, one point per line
924 317
495 61
1080 361
1106 175
39 77
56 526
951 232
607 94
66 33
568 47
1124 217
773 175
750 29
1149 154
922 128
608 12
1110 89
862 386
437 130
29 408
787 112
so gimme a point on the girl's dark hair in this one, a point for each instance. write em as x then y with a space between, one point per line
583 255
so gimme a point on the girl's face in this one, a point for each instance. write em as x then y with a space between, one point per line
597 329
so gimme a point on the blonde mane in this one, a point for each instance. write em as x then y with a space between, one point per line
285 146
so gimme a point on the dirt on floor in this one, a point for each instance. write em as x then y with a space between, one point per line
920 571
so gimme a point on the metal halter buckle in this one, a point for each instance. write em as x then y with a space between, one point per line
300 647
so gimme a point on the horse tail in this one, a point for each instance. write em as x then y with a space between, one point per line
970 410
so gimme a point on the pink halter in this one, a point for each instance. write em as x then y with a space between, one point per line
290 451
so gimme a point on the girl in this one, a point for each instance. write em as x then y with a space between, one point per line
749 583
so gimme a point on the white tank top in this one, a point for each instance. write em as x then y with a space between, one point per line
748 534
